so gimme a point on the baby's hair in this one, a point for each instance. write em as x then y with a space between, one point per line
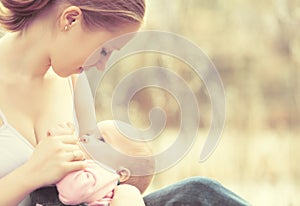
140 182
146 165
143 167
16 15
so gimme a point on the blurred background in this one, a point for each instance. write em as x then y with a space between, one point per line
255 46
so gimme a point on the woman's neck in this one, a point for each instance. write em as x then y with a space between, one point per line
25 54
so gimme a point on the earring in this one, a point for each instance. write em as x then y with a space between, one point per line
66 27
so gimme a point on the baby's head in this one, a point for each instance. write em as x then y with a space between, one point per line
139 173
144 169
140 182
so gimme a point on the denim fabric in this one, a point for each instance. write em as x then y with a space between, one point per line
47 196
195 191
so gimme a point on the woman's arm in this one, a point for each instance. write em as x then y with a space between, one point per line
15 186
51 160
88 185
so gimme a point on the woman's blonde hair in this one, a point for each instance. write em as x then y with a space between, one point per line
16 15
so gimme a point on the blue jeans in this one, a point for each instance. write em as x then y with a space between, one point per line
195 191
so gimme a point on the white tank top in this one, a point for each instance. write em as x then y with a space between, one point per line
15 150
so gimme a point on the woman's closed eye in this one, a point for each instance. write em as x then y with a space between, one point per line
104 52
98 59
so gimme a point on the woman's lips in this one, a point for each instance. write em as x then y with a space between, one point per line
80 70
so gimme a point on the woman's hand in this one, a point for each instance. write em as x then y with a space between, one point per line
56 155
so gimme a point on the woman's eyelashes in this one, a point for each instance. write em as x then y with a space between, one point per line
98 59
104 52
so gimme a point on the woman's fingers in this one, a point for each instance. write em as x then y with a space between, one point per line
76 155
71 147
76 165
67 139
71 125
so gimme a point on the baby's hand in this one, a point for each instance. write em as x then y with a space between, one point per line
68 129
55 156
62 129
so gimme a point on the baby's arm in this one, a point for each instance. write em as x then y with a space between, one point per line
127 195
88 185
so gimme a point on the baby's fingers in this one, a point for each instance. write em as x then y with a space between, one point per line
60 130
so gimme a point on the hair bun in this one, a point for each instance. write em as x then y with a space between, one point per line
24 7
20 12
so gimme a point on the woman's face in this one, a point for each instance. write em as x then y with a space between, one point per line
72 48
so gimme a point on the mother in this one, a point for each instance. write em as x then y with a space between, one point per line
39 59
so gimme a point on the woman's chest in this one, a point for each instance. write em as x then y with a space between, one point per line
33 110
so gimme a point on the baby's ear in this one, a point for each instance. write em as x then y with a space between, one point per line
124 174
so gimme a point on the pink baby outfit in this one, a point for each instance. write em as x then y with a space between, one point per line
94 185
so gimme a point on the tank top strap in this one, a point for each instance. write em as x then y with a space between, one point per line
3 119
70 80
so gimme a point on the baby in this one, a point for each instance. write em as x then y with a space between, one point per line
100 185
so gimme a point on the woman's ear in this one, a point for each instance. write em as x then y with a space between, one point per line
124 174
71 16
